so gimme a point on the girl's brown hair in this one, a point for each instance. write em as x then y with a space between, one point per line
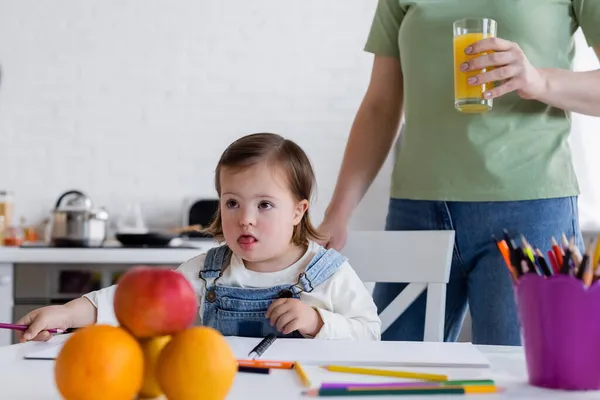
277 152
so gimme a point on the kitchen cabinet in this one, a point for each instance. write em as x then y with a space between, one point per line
6 301
31 278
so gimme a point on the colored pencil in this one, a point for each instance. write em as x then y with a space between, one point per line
446 390
553 262
394 385
545 268
596 257
254 370
504 250
301 374
386 372
564 259
558 253
565 268
525 267
18 327
515 260
266 364
527 248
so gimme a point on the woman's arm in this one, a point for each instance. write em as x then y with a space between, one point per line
574 91
371 137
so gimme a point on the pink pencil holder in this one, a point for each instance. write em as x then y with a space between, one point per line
560 325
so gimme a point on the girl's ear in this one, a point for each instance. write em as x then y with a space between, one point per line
300 210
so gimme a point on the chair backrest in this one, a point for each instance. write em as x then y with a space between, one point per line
420 258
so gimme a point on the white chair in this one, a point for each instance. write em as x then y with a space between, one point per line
420 258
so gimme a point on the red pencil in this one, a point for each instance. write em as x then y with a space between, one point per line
558 253
552 258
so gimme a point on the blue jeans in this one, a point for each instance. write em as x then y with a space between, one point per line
478 276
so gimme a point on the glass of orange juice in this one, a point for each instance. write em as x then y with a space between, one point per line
469 98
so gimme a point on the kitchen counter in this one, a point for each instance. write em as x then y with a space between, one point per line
36 275
105 255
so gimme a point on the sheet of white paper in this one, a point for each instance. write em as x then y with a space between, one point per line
322 352
46 350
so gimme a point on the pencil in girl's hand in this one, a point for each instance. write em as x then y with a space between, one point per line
18 327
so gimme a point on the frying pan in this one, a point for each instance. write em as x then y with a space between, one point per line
152 238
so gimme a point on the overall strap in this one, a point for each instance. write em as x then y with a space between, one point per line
324 264
217 258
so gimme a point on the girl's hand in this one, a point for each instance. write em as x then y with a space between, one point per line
510 66
289 315
42 319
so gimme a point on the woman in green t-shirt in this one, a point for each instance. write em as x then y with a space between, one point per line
476 174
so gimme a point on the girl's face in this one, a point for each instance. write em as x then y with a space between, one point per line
258 212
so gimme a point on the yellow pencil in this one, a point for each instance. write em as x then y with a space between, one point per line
596 257
301 374
385 372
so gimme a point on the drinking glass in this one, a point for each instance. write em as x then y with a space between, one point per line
469 98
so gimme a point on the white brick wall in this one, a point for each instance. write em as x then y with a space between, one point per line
135 100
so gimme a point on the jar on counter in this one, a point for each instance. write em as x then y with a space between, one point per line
2 230
6 206
13 236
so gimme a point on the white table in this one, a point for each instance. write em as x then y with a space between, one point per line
31 379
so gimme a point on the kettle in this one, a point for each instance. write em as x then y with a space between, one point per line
75 222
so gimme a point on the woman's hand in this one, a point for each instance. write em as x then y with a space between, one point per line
335 231
511 67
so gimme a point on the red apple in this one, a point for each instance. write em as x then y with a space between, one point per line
154 301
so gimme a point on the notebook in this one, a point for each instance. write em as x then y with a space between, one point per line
321 352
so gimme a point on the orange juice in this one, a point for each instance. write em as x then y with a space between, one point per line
469 98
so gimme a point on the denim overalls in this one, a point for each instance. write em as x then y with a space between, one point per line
235 311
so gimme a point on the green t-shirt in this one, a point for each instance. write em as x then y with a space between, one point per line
517 151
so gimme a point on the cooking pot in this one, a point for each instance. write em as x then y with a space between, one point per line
75 222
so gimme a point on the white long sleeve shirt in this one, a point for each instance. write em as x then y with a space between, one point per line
343 302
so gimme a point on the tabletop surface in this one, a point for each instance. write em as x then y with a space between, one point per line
34 379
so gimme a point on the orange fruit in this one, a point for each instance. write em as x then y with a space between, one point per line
99 362
152 349
197 363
